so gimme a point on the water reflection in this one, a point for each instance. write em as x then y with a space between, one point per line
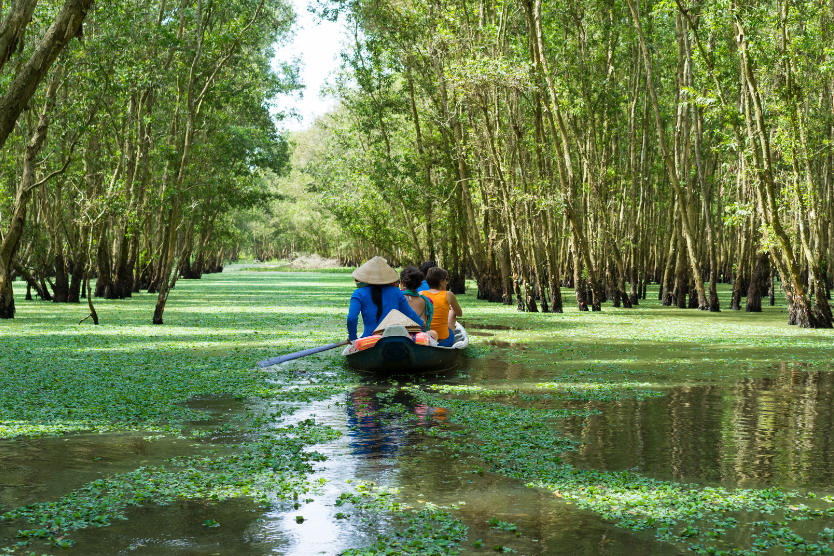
424 472
369 438
378 432
750 432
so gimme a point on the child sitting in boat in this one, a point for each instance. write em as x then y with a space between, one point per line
410 280
446 306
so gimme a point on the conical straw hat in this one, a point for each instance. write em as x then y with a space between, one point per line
376 272
395 317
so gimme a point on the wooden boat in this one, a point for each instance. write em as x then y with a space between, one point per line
397 352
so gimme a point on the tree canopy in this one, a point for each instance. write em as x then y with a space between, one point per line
138 144
596 145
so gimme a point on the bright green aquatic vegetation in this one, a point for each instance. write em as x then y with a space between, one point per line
285 268
59 377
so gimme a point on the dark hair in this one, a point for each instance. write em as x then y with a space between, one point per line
376 297
411 277
424 268
435 275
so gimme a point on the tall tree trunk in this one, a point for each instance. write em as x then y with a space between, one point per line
668 285
671 166
65 26
579 282
561 145
79 264
705 187
766 188
104 282
13 27
741 282
11 241
167 264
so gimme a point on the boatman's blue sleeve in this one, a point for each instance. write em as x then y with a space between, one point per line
353 316
361 303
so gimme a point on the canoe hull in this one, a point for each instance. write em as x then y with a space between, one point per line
394 354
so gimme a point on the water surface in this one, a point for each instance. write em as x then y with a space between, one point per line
774 430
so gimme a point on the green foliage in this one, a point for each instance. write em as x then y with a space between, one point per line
129 375
295 219
161 107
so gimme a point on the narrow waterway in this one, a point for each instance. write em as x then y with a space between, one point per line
774 430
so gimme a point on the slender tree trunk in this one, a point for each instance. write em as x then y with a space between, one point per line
579 282
561 146
167 264
11 241
78 266
87 268
671 166
766 190
667 287
104 282
741 283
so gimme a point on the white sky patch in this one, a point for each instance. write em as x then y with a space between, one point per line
317 44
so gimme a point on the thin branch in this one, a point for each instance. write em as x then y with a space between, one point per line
225 58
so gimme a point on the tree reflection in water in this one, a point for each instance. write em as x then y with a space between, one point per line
750 433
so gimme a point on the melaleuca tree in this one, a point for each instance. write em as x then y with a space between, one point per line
159 124
599 146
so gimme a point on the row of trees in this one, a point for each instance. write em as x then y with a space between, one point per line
599 145
132 133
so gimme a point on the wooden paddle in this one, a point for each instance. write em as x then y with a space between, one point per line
298 354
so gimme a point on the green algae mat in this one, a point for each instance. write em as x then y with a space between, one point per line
671 430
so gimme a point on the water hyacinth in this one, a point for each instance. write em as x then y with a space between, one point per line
523 420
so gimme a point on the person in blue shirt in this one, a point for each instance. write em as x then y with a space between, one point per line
424 268
375 296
